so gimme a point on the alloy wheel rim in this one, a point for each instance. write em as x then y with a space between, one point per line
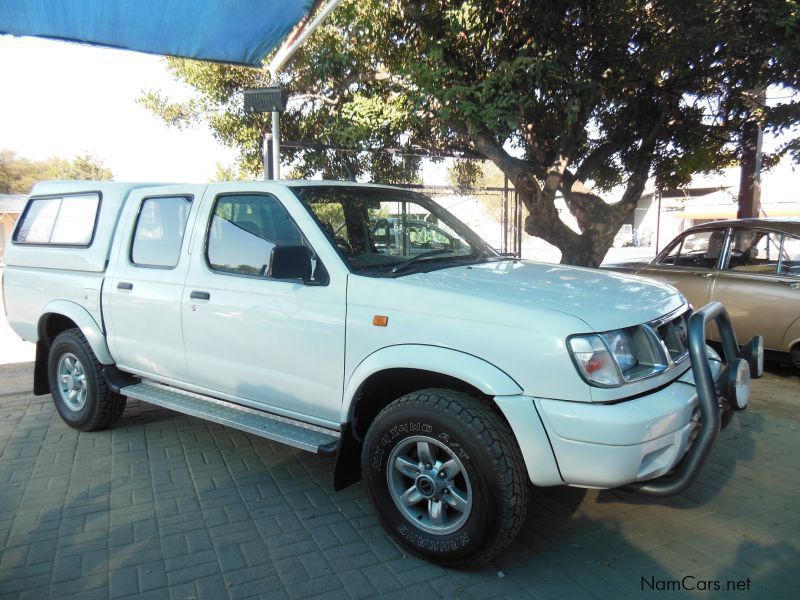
429 485
72 384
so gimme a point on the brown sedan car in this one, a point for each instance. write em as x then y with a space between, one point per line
752 266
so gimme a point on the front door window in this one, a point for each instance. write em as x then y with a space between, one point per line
700 249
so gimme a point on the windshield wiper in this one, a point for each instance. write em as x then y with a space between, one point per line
406 263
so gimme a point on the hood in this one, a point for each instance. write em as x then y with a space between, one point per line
603 300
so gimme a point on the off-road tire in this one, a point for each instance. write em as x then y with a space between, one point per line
101 407
460 426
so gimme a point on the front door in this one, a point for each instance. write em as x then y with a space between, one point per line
270 343
691 264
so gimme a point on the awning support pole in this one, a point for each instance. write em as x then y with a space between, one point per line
287 51
281 58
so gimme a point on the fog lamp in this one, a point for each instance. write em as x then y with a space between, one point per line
734 383
753 353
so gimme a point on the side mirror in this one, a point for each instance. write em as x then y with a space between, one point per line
290 262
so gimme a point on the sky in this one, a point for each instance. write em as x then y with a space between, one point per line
63 99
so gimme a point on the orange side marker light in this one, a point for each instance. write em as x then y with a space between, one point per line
380 320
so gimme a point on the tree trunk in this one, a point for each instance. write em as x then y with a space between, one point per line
599 223
750 177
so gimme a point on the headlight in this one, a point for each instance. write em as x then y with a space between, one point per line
616 357
594 360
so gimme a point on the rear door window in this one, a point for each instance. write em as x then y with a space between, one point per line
160 227
754 251
790 262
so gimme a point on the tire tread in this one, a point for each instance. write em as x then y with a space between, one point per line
503 452
111 405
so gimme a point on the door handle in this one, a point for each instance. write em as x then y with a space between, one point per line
124 285
703 275
195 295
793 284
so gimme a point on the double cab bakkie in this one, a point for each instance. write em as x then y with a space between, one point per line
444 375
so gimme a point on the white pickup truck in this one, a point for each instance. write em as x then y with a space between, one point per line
366 322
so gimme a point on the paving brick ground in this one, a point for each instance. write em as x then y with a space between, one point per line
167 506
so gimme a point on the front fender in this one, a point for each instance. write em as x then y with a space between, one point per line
88 326
475 371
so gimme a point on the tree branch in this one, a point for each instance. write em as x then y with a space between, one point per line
305 97
514 168
597 156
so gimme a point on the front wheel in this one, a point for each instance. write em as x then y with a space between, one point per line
78 386
446 477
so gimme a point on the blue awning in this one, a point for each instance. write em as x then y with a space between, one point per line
230 31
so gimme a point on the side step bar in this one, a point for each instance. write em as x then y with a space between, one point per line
280 429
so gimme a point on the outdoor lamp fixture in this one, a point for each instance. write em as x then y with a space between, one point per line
271 99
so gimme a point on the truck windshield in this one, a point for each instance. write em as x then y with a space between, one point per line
391 232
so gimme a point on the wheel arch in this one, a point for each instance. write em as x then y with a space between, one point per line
58 316
395 371
468 369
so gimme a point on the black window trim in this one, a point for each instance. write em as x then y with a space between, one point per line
211 269
190 198
58 197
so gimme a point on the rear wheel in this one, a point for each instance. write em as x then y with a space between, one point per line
446 477
77 384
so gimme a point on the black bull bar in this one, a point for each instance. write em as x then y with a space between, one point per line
709 395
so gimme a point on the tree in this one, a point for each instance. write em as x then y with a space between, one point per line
226 173
83 166
18 175
468 172
574 98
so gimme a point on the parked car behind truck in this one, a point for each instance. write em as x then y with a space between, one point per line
750 265
448 380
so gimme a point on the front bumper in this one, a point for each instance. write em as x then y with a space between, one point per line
610 445
657 443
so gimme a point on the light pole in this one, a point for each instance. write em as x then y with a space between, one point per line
271 99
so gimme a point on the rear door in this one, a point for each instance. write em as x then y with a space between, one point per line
143 290
758 286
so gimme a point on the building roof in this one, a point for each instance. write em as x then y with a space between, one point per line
12 203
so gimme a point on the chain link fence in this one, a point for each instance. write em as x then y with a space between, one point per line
494 213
